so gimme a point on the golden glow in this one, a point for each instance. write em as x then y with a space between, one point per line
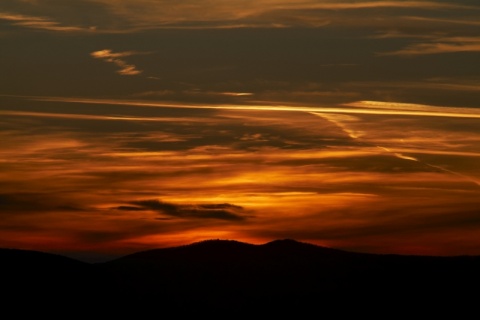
355 181
349 123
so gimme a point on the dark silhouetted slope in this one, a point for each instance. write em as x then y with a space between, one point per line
222 277
286 275
42 283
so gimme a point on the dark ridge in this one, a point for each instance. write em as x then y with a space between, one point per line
224 276
286 246
40 282
13 258
224 249
206 248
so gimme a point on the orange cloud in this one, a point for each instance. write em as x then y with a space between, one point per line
126 16
246 13
252 174
114 57
40 23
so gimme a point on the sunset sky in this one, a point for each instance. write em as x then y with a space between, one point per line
128 125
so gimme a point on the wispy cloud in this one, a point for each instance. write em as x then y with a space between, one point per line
414 107
438 46
92 117
452 84
220 211
196 94
34 203
126 16
467 22
40 23
383 4
137 185
366 107
117 59
247 13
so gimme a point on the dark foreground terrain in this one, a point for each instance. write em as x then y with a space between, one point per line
224 277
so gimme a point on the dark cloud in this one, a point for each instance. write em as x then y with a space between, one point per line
130 208
221 211
221 206
35 202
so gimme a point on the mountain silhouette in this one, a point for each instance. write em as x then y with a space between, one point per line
226 276
39 282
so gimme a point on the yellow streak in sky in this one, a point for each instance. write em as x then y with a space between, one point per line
438 152
90 117
404 106
275 155
351 133
476 181
400 106
399 155
40 23
367 107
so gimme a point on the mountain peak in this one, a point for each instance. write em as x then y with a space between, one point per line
286 241
218 242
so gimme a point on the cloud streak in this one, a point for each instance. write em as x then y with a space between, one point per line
439 46
41 23
380 108
219 211
188 14
131 16
117 59
245 174
91 117
453 21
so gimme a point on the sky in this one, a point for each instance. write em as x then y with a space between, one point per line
128 125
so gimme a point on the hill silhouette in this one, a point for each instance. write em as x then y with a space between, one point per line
227 276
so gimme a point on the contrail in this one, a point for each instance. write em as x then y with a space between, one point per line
88 116
359 107
364 109
354 135
477 182
399 155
